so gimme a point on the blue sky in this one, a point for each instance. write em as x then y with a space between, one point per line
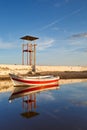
61 26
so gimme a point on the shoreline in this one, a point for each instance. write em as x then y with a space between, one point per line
7 85
62 75
67 74
64 72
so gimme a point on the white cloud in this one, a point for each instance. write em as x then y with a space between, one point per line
78 46
46 43
47 96
70 46
7 45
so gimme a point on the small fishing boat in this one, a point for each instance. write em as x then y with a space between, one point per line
34 80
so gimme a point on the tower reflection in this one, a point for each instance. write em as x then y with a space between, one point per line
28 95
29 106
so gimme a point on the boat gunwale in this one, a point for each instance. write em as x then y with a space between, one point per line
14 77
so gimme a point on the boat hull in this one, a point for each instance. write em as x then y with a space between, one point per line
34 81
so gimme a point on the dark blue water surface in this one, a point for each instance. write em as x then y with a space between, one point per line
61 109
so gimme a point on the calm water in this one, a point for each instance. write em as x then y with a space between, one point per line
59 109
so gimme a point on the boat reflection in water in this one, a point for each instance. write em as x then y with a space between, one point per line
28 95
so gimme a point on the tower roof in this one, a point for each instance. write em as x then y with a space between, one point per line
29 38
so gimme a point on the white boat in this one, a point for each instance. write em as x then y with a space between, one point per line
34 80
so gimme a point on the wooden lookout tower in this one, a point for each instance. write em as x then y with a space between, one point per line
30 50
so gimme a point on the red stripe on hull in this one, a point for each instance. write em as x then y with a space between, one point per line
36 89
35 82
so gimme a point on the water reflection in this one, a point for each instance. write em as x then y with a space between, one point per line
39 109
7 85
28 96
29 106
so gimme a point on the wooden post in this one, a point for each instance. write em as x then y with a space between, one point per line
34 67
27 53
22 54
30 54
